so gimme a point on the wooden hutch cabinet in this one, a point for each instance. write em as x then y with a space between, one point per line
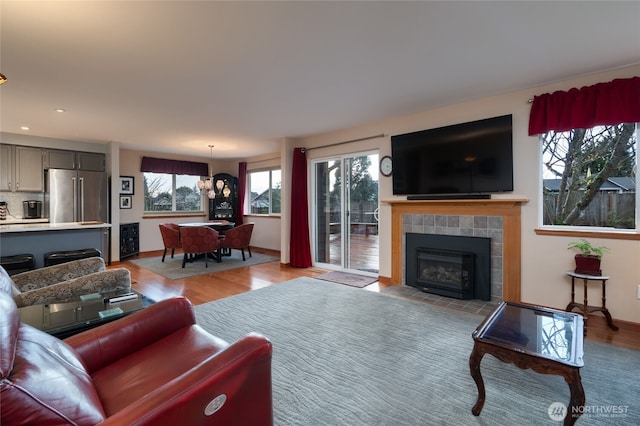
224 206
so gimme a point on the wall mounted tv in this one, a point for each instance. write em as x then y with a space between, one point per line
459 160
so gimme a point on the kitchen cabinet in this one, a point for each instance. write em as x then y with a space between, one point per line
129 239
91 161
21 168
6 167
71 160
59 159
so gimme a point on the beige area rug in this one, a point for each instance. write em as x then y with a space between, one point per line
346 278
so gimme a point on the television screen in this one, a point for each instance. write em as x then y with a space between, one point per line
467 158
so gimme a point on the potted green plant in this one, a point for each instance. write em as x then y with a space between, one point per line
589 258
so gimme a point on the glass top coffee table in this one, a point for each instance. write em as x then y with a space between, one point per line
66 319
548 341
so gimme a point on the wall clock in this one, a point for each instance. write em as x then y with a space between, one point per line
386 166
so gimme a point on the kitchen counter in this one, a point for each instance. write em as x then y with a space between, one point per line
46 226
39 239
15 220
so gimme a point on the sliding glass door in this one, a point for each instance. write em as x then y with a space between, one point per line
345 197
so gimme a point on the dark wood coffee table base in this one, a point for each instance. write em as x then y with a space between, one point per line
525 361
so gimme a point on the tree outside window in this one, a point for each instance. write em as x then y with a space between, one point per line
171 193
589 177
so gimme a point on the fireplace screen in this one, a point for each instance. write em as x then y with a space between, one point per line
450 271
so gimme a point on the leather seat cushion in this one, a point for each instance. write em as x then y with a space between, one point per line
48 384
124 381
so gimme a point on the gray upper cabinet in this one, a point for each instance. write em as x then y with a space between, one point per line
6 168
29 175
21 168
61 159
91 161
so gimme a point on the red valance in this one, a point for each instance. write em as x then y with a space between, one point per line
615 102
173 167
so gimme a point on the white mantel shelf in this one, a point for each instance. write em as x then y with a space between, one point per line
507 208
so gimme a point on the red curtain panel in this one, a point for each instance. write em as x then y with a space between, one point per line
299 244
242 189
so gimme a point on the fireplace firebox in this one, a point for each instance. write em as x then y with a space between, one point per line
448 271
449 265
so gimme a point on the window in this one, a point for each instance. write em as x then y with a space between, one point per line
165 192
589 177
264 187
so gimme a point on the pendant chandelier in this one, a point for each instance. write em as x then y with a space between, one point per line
207 185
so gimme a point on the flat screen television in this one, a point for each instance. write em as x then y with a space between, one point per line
467 158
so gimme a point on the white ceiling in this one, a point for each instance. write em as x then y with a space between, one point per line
177 76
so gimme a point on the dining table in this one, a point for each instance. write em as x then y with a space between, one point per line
218 225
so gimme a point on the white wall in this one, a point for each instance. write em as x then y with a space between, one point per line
545 259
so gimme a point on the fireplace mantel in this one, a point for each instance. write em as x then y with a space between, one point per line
509 209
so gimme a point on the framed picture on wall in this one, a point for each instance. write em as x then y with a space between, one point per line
126 185
125 201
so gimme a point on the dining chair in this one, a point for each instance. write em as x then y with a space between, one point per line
199 240
238 238
170 237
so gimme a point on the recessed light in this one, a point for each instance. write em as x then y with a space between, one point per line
25 127
60 110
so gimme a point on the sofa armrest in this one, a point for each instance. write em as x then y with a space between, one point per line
112 280
101 346
241 373
49 275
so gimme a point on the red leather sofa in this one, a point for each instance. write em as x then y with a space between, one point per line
154 367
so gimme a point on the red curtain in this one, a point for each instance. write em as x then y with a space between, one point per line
242 190
615 102
299 245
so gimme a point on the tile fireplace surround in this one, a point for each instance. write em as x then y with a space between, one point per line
497 218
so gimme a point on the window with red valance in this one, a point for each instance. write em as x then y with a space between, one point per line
171 185
588 142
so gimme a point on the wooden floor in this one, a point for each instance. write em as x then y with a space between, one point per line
206 288
363 251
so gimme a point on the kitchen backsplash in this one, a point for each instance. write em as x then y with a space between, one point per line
14 202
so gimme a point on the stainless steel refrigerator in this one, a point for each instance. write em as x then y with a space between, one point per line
78 196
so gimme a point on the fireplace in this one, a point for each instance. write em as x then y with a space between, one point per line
449 265
449 272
